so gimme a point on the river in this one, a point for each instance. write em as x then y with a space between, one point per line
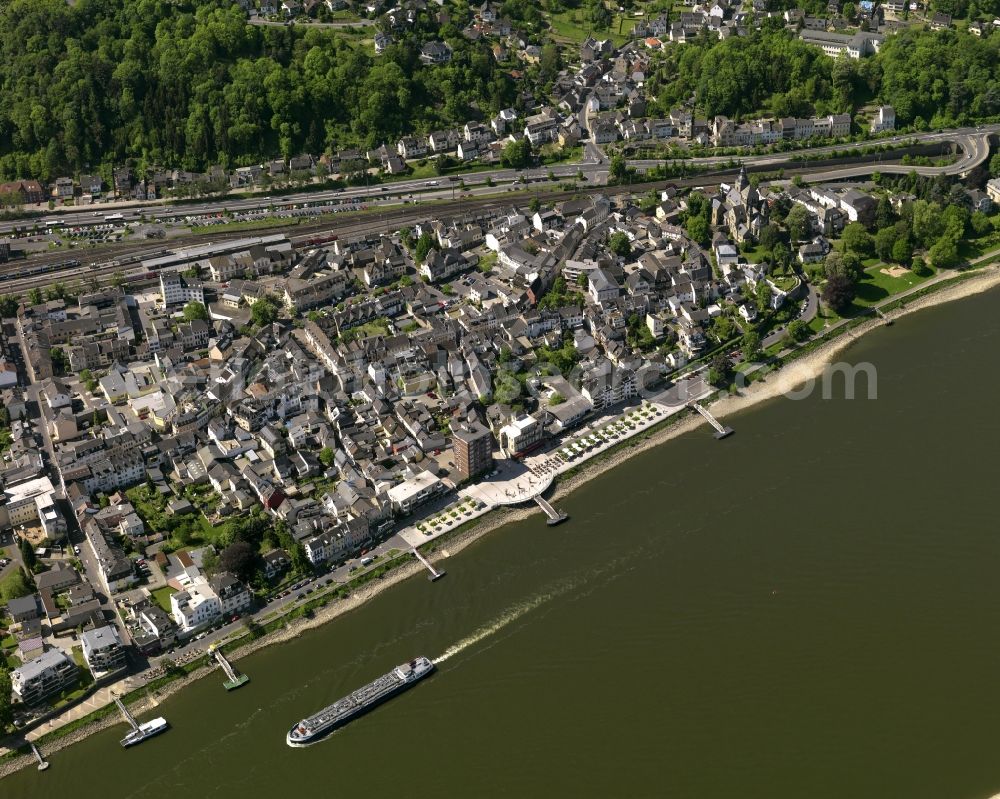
806 609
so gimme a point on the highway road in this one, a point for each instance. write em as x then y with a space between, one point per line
307 589
394 208
592 153
973 142
343 23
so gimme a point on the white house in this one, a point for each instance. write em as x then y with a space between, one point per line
412 492
885 119
196 606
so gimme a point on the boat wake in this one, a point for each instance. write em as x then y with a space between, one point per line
511 614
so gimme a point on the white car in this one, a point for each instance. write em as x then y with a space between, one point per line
76 549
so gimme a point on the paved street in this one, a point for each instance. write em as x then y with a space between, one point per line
973 141
361 22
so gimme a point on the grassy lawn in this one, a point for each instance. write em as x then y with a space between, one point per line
376 327
555 154
574 26
754 255
188 529
784 282
162 597
247 225
878 286
976 247
819 322
419 171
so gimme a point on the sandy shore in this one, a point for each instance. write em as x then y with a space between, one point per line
771 387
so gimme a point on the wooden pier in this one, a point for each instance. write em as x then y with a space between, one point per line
554 517
435 574
720 430
883 317
42 764
236 679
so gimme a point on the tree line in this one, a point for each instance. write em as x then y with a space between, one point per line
931 78
186 84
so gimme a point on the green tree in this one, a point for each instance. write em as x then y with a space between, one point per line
902 251
799 223
619 244
797 331
955 220
516 154
8 306
944 253
550 62
209 561
751 345
195 310
781 255
60 363
762 296
722 328
239 558
769 236
300 561
847 264
699 230
15 585
618 171
858 240
885 239
599 14
264 312
424 245
720 371
885 216
920 268
981 224
6 711
57 291
926 222
327 457
88 380
838 292
35 296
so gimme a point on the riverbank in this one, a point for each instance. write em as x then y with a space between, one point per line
809 364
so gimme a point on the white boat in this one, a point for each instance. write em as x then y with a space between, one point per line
139 732
361 701
145 730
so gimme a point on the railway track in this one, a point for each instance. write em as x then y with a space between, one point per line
99 267
346 223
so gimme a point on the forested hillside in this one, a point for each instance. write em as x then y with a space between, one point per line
931 78
943 78
191 84
188 83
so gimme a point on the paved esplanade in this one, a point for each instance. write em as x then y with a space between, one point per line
518 482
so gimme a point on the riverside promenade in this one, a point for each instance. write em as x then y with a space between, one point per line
516 482
513 483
